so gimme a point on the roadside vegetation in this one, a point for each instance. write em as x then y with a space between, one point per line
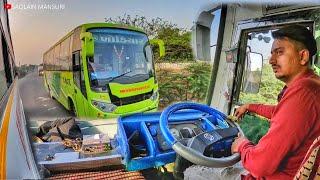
23 70
182 82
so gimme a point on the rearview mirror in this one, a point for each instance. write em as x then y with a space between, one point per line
160 43
91 59
252 73
88 43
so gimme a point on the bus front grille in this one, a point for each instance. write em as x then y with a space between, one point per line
130 100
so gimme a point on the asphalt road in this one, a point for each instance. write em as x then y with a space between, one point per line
38 106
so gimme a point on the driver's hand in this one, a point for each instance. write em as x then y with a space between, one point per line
233 118
236 143
240 111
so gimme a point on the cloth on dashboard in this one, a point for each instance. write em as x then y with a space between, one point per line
59 130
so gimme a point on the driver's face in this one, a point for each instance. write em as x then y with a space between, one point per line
285 60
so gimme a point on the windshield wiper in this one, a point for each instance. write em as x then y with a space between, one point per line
113 78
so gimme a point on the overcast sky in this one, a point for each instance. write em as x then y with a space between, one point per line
34 28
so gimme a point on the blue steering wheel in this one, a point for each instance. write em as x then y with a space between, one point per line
194 151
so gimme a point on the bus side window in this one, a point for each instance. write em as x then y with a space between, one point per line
76 68
7 64
82 82
3 78
5 72
78 72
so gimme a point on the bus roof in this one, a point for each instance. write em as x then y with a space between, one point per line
109 25
86 26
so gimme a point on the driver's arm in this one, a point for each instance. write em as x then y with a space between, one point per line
262 110
291 122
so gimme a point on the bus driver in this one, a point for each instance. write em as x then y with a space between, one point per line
295 120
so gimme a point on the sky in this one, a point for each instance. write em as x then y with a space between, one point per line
34 29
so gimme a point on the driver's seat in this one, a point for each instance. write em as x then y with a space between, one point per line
310 165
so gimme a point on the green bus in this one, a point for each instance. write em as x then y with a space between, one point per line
103 70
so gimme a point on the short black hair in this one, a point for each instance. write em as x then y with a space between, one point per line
300 34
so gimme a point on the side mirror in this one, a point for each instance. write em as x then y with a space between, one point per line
201 33
76 68
160 43
88 43
253 73
91 59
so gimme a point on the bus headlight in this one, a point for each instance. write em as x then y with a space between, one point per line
154 96
105 107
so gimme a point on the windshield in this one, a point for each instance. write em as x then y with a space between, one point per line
121 56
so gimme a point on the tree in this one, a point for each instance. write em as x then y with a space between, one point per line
177 40
25 69
178 44
151 27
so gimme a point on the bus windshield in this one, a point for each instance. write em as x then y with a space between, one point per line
121 56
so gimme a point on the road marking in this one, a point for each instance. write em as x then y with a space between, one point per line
42 99
52 108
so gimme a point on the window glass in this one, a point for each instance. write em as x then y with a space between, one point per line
76 42
259 42
52 60
213 33
76 74
56 62
317 58
64 54
49 60
3 79
120 53
70 52
45 60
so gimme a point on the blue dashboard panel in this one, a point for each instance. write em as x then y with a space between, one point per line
141 143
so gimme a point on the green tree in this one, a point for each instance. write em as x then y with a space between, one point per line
177 40
151 27
188 83
198 80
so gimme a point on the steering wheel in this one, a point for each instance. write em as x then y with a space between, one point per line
194 150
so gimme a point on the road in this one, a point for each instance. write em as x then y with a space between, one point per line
38 106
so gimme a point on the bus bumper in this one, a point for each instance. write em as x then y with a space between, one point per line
144 106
